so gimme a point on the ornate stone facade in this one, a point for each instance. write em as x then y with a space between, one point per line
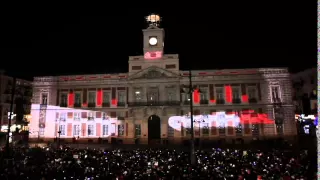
156 87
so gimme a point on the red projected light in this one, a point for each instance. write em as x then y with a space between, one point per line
254 118
153 55
99 97
228 91
114 102
245 98
196 96
71 99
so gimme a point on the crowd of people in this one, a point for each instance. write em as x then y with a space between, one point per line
69 163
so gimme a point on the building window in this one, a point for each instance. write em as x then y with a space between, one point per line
186 97
188 128
136 67
90 116
239 130
255 129
279 129
41 131
170 66
236 93
220 95
120 130
106 97
205 128
138 129
121 97
137 95
77 98
105 130
90 130
203 94
252 92
275 92
62 129
76 115
64 99
171 94
76 130
104 116
63 116
92 97
170 131
44 98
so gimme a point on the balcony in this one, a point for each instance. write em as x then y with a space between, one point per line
92 104
220 101
106 104
153 103
77 105
63 105
186 102
204 101
276 100
236 101
253 100
121 104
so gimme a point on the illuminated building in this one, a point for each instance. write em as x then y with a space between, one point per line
150 101
23 92
305 91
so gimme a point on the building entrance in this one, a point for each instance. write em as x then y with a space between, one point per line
154 129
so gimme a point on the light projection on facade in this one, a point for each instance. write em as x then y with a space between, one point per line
71 123
220 119
153 55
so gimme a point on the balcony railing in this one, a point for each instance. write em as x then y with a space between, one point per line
204 101
236 101
186 102
220 101
253 100
276 100
77 105
121 104
155 103
92 104
106 104
63 105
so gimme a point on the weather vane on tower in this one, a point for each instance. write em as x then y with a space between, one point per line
153 20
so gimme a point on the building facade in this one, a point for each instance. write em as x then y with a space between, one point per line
305 92
140 103
21 103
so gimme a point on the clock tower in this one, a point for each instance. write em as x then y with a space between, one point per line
153 38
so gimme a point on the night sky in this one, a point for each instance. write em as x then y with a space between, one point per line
262 34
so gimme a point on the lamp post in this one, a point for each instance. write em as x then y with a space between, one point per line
13 91
190 91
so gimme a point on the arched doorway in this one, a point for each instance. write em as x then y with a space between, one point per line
154 128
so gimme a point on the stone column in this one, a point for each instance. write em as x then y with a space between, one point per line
130 93
177 98
162 93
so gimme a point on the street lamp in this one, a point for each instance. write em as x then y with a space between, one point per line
199 123
190 92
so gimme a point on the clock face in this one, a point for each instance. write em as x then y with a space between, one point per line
153 41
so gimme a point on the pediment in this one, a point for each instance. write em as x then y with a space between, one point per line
153 73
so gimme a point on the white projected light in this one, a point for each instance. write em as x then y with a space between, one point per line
221 119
